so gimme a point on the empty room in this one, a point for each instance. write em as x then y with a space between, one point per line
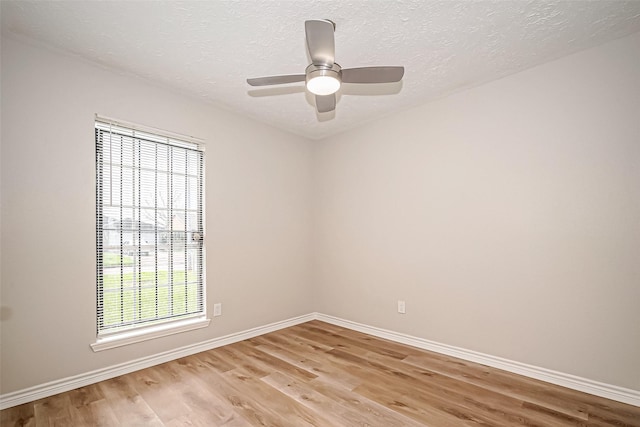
320 213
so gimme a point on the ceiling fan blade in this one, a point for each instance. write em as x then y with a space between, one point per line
372 75
320 41
325 103
276 80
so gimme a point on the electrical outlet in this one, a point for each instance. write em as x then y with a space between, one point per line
217 309
402 308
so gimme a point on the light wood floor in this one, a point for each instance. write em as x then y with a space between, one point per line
321 375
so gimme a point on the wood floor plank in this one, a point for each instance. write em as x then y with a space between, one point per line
214 361
262 405
97 413
229 390
317 374
129 407
301 348
614 413
53 410
85 395
525 389
380 342
196 392
321 369
295 413
18 416
366 407
499 408
344 340
334 410
155 386
409 406
232 355
389 388
254 412
271 363
297 337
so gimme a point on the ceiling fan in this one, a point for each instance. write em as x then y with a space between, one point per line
324 76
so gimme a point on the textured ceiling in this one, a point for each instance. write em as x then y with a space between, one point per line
207 49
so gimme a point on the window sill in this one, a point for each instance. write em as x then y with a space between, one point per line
148 333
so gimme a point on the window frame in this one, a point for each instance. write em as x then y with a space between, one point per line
144 330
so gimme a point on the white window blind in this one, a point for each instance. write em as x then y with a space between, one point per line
149 208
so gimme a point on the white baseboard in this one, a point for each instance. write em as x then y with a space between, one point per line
30 394
608 391
620 394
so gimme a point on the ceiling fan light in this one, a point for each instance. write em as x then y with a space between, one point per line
323 85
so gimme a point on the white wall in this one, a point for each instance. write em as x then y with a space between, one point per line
257 205
507 216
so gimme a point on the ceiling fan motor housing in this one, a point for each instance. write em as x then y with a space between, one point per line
326 74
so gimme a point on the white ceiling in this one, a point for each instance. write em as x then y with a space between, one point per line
207 49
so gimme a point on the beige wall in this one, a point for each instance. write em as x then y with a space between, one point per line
257 205
507 216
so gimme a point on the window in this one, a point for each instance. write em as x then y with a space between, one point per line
149 220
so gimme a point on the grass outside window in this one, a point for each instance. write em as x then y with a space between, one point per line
141 296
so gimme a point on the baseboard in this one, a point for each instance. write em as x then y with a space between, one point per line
30 394
620 394
585 385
